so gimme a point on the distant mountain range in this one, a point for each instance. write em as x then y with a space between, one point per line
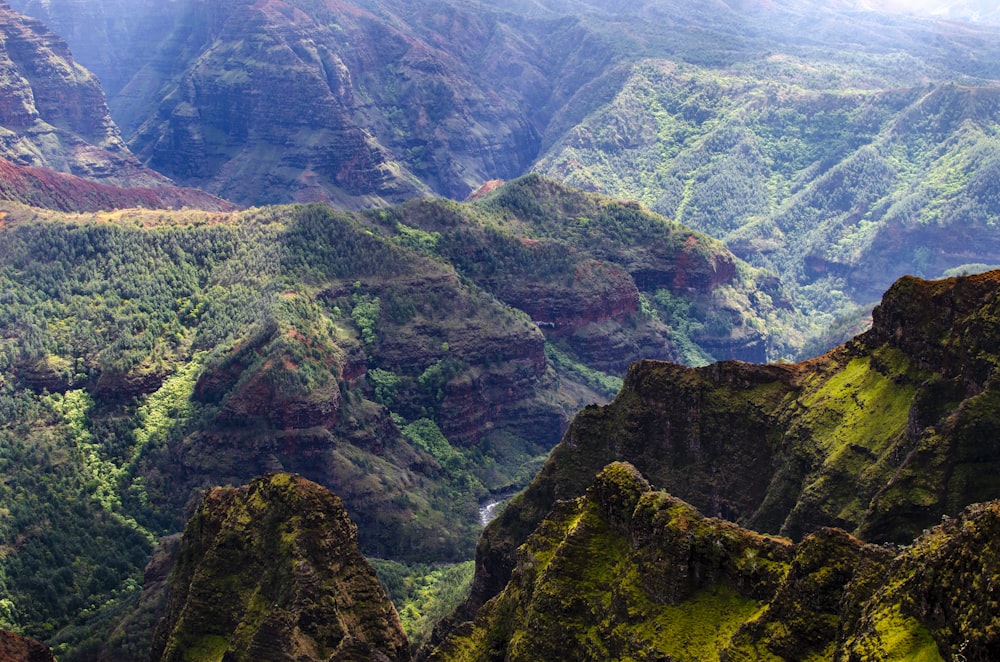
836 146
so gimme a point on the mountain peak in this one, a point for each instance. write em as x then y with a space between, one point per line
270 570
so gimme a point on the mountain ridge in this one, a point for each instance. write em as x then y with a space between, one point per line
881 437
626 571
273 570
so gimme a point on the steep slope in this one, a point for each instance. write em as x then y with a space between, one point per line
273 571
881 437
841 190
626 572
54 113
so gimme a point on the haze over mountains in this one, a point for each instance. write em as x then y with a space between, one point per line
835 145
685 182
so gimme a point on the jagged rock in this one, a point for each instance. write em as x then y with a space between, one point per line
53 113
272 571
881 437
626 572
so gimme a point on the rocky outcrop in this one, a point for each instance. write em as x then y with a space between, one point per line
53 113
627 572
273 571
881 437
15 648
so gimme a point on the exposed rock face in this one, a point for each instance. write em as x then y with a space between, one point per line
15 648
355 103
53 113
272 571
626 572
882 437
294 100
588 270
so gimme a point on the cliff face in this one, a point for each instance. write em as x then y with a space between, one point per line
53 113
881 437
355 104
272 571
629 572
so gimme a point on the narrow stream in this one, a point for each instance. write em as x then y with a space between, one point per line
492 507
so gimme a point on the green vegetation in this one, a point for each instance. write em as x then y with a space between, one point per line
146 355
839 186
424 594
605 384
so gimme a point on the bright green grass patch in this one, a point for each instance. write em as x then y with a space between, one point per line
699 627
210 648
904 638
860 406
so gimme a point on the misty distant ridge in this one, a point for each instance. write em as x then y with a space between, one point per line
979 11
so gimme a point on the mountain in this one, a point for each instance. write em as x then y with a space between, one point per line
881 437
415 359
628 572
273 571
54 114
838 145
354 104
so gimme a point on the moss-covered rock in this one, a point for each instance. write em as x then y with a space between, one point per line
880 437
272 571
663 582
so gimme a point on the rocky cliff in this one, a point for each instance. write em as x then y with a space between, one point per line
53 113
350 103
273 571
627 572
882 437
